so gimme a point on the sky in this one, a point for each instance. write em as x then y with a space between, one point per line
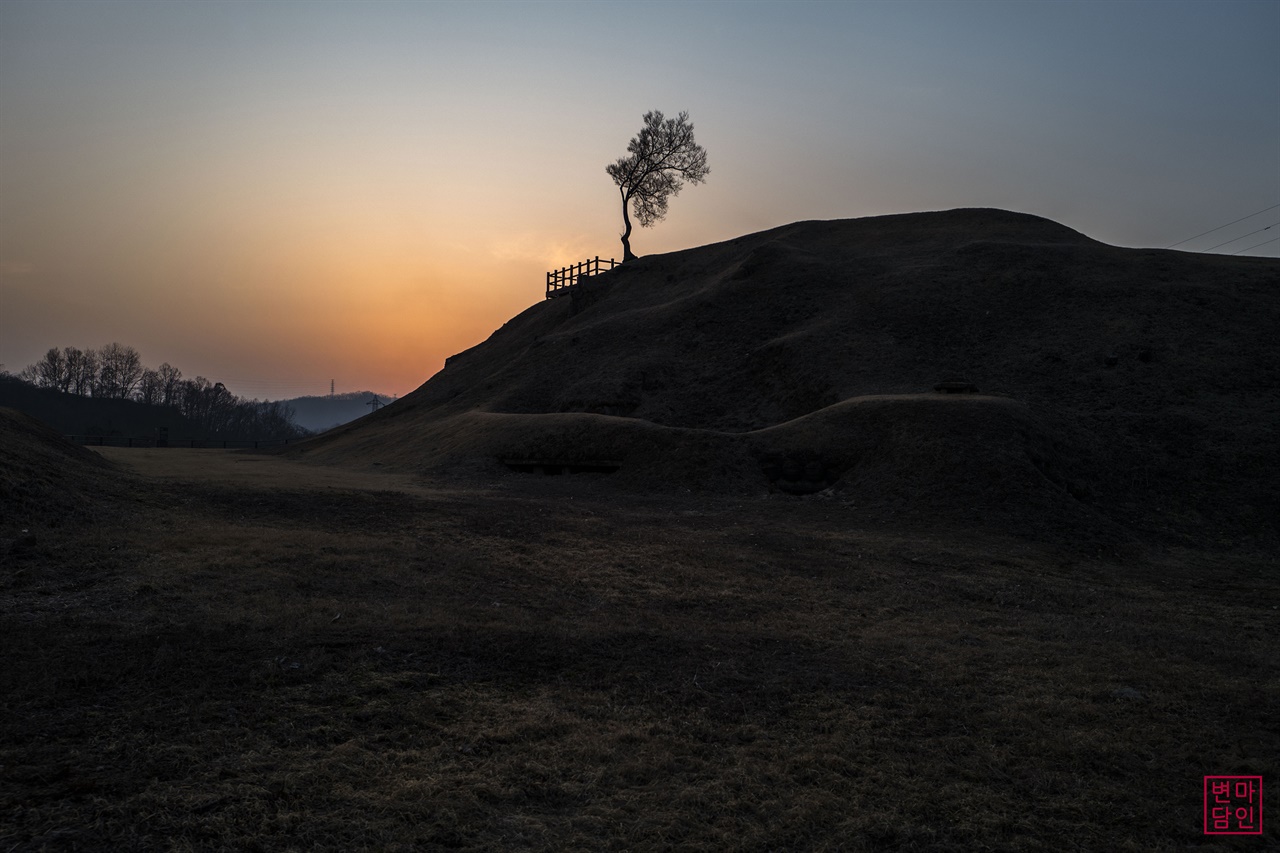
275 195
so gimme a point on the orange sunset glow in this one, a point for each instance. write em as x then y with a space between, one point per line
276 195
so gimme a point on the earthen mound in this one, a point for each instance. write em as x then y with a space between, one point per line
1138 387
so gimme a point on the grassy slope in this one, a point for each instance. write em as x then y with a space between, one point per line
45 480
559 665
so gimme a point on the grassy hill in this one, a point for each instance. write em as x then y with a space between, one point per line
46 480
1119 387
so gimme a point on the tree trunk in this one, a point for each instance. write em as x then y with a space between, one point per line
626 235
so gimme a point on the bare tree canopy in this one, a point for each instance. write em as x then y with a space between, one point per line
119 371
116 372
662 157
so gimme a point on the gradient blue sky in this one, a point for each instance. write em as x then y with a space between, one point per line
276 194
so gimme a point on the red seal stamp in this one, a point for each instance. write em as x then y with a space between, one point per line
1233 805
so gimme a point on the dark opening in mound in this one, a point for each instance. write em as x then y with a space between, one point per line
551 467
800 473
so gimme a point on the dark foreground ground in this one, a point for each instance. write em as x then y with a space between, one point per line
238 653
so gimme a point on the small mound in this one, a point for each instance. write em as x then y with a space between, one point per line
941 459
45 479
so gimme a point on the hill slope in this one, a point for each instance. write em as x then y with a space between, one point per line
47 480
1122 386
72 414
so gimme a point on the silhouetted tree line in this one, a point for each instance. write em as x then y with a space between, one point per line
116 372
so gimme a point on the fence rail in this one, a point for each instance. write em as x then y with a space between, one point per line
153 441
559 281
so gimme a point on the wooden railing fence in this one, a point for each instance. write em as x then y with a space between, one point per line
559 281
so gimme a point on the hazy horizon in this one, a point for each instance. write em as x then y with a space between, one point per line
274 195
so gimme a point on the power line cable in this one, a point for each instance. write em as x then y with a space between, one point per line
1220 227
1263 243
1242 236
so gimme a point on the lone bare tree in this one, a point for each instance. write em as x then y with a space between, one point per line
662 157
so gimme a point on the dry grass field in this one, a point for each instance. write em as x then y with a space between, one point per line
235 652
793 599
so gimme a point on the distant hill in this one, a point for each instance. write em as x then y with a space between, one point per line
1120 388
77 415
71 414
321 413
